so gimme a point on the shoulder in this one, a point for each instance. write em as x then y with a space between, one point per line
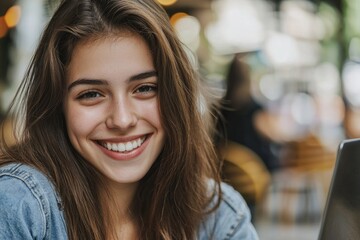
232 200
26 201
26 180
231 220
24 173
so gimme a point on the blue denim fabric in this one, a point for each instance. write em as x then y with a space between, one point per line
29 206
231 221
31 209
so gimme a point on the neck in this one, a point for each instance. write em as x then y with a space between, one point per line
127 230
117 203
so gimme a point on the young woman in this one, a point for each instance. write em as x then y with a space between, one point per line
112 143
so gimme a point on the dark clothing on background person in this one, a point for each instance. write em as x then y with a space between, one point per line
240 128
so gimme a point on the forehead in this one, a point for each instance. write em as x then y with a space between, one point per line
110 56
109 37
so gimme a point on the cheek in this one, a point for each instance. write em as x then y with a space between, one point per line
81 121
151 111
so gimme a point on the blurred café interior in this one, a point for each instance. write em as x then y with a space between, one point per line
302 60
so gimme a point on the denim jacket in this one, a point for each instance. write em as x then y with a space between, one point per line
31 209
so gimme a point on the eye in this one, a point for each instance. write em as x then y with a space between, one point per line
89 95
147 89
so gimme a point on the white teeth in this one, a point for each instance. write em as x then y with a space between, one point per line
114 147
129 146
122 147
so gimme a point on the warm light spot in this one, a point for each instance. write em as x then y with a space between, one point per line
12 16
166 2
188 30
3 27
174 18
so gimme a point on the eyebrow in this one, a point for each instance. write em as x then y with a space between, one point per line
136 77
143 75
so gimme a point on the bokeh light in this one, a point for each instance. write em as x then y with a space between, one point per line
188 29
167 2
270 87
12 16
175 17
238 27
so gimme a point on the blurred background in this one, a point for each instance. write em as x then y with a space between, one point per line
297 63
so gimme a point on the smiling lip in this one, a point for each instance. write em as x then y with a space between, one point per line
124 149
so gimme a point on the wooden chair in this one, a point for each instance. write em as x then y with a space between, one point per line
244 170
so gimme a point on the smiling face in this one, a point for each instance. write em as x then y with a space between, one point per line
111 107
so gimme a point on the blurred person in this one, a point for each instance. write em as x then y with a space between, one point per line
110 140
249 158
239 111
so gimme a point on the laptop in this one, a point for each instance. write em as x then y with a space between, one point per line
341 218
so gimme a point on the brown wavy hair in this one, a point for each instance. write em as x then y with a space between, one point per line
173 197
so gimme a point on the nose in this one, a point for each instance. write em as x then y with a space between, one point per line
121 115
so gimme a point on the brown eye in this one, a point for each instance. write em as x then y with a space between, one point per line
146 89
89 95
